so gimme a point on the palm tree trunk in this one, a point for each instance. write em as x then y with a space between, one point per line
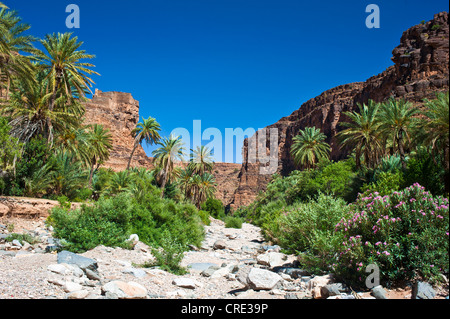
163 185
91 175
401 149
131 156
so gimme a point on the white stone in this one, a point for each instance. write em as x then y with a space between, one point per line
261 279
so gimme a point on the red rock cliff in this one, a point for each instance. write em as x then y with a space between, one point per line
421 68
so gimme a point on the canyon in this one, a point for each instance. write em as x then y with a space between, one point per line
421 68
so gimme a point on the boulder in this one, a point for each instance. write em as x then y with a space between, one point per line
422 290
67 257
124 290
261 279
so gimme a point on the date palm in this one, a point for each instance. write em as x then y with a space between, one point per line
13 43
145 131
436 127
99 145
309 147
30 114
396 122
170 151
363 134
66 73
201 160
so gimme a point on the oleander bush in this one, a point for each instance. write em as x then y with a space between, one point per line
404 233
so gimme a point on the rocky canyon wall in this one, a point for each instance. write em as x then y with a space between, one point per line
421 68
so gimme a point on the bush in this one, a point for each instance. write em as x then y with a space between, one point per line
233 222
405 234
386 183
110 221
214 207
105 223
308 229
169 256
204 216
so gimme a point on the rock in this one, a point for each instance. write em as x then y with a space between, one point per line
133 240
210 271
58 268
293 272
261 279
79 294
17 243
379 293
184 283
219 244
124 290
201 266
320 281
139 273
82 262
271 259
93 275
70 286
330 290
422 290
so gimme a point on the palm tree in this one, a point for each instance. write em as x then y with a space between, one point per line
171 149
65 73
201 160
99 142
396 122
205 187
363 134
13 42
309 147
147 131
68 175
31 115
436 126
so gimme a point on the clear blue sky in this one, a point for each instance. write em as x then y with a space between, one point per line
229 63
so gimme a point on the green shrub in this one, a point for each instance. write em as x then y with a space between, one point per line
22 238
233 222
204 216
405 234
214 207
308 229
385 184
105 223
169 256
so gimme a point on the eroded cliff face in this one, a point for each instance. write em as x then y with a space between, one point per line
421 68
119 113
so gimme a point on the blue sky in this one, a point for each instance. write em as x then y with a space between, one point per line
229 63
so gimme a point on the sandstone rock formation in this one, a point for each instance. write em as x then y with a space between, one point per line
421 68
119 113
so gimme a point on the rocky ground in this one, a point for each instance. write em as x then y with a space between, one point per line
231 264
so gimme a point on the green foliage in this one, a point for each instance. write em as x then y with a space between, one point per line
233 222
214 207
105 223
204 216
308 229
22 238
404 233
169 256
385 183
9 146
421 168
